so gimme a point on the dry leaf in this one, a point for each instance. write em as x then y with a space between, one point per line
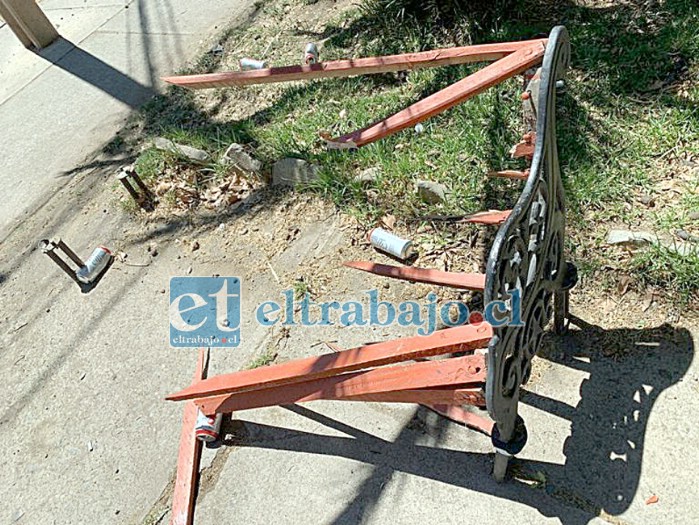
623 285
389 221
162 188
232 198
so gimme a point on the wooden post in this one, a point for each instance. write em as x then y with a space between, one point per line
28 22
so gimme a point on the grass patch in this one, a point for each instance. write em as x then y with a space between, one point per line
150 164
301 289
628 125
264 359
660 266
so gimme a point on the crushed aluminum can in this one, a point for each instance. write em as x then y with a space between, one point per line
94 265
392 244
248 64
208 429
311 54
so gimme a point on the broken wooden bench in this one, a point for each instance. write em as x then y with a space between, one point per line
478 364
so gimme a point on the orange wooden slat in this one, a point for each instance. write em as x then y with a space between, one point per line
458 414
425 374
459 339
449 97
450 396
488 217
358 66
184 495
465 281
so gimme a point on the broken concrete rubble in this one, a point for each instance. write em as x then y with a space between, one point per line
630 239
236 155
290 172
432 192
192 154
368 176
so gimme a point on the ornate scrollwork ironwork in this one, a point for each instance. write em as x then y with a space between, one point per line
527 254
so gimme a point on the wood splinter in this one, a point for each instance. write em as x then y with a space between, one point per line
524 148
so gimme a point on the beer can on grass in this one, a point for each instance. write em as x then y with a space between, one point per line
207 428
390 243
311 54
94 265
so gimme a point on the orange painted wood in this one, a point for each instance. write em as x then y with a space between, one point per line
358 66
457 93
510 174
425 374
465 281
471 420
446 396
184 495
488 217
524 148
459 339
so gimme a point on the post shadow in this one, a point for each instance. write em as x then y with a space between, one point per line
91 69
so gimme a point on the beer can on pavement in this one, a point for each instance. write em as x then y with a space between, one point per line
207 428
390 243
311 54
94 265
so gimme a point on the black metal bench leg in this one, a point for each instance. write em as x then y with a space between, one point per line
500 466
561 299
505 449
561 305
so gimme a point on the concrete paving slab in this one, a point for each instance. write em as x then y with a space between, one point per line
598 437
70 99
19 67
82 413
365 463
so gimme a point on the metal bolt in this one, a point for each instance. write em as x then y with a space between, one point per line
137 189
51 247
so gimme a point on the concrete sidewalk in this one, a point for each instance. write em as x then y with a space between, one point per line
86 435
58 106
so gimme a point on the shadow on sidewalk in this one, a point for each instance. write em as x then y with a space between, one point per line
628 370
87 67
